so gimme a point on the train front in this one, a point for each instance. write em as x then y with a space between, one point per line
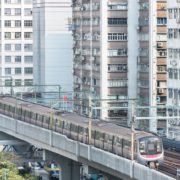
150 151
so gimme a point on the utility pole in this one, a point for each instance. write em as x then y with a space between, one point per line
132 129
90 118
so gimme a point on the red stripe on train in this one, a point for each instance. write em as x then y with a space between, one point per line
151 155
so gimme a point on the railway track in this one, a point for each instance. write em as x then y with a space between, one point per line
171 163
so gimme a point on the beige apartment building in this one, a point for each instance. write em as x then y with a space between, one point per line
120 55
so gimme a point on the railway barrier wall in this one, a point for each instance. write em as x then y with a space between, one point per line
83 153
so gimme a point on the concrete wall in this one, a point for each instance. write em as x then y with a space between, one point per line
91 156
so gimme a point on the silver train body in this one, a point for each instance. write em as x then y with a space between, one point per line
148 148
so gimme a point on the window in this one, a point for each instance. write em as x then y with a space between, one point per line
7 71
17 11
117 37
174 33
161 68
17 82
161 52
117 83
27 11
17 59
143 5
8 82
7 59
28 23
28 82
170 73
17 23
7 23
28 35
175 94
7 47
28 59
17 47
27 47
17 35
117 52
170 13
7 35
7 11
7 1
117 67
17 70
117 6
161 21
175 74
117 21
28 70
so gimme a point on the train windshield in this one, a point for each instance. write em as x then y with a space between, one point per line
150 145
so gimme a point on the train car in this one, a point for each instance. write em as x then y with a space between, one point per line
171 144
148 147
150 151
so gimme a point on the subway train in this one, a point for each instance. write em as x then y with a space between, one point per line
171 144
148 147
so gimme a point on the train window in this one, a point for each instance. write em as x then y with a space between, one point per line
74 128
159 147
99 135
66 125
142 147
81 130
150 145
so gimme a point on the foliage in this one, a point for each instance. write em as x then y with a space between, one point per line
9 171
4 156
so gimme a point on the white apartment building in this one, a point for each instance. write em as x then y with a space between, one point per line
53 43
16 39
173 68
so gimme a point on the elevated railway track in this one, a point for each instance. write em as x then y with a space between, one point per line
171 163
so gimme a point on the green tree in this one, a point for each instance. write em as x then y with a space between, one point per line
9 171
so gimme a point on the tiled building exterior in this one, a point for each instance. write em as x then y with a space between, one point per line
16 50
120 54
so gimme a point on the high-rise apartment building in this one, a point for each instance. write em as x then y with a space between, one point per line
53 43
173 68
16 50
120 54
161 59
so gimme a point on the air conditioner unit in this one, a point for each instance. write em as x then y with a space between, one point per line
160 91
178 20
173 62
160 44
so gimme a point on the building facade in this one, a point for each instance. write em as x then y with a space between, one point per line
120 55
16 50
173 68
161 60
53 43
